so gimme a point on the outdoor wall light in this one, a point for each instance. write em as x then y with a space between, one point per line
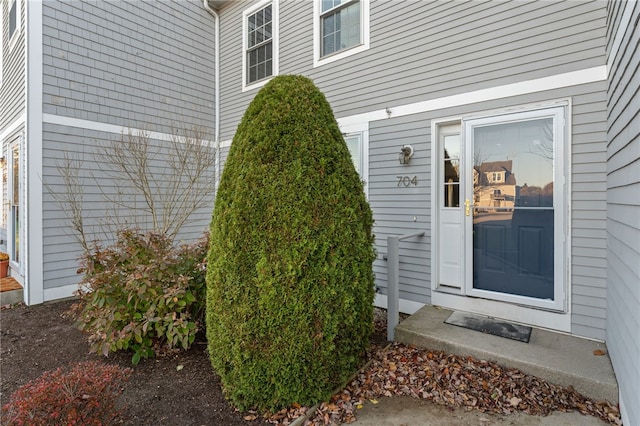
406 152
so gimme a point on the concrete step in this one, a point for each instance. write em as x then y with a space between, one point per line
11 291
558 358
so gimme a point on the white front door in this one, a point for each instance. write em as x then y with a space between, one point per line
501 229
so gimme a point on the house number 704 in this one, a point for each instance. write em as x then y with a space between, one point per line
407 180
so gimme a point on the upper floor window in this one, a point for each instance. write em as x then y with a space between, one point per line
341 28
260 44
9 16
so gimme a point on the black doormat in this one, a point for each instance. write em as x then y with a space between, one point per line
500 328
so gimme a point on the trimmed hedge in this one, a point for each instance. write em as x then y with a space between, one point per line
289 278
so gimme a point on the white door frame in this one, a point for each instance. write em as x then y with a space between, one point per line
553 315
559 197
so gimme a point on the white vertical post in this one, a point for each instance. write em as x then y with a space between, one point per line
393 287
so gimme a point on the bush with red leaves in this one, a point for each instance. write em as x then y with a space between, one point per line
83 395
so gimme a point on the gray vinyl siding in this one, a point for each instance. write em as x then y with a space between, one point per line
623 208
394 207
427 50
13 82
61 249
136 64
140 64
423 50
588 219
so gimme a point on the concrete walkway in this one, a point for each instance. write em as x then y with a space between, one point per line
406 411
560 359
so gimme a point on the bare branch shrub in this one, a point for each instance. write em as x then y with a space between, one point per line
143 182
71 199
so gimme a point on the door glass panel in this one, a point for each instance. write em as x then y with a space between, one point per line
451 170
513 216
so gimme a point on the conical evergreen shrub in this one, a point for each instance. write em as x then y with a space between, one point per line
289 275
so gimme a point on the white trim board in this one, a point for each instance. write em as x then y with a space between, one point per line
57 293
104 127
620 32
15 125
406 306
573 78
504 310
33 261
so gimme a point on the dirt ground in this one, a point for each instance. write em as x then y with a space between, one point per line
36 339
173 390
182 389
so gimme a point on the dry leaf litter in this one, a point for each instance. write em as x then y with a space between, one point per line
450 380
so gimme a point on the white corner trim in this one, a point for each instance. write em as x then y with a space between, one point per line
620 32
33 261
57 293
573 78
624 414
406 306
104 127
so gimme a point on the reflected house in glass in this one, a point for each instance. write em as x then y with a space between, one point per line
494 186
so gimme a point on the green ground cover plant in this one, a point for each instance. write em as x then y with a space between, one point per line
142 294
289 271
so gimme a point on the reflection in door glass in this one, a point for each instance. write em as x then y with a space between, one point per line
513 208
451 170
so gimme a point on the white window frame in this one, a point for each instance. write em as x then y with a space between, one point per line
275 40
319 60
363 154
551 318
13 37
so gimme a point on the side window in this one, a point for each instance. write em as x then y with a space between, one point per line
358 144
341 28
354 143
9 16
13 17
260 44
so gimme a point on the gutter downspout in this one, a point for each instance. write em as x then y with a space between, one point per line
216 81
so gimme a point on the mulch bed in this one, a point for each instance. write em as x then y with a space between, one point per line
183 389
